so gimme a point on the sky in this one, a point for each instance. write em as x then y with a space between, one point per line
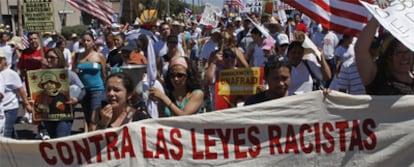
218 3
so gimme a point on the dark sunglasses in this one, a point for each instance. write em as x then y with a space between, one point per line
178 75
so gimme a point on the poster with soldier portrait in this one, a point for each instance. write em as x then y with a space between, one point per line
49 90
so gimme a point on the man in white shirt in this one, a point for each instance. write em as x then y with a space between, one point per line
7 49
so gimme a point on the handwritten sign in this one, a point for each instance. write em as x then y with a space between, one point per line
398 19
211 15
38 15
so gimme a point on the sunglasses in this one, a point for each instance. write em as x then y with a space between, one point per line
178 75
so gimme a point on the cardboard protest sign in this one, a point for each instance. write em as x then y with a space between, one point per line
38 15
233 86
49 89
211 15
398 19
253 6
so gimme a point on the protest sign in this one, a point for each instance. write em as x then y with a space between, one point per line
49 89
233 86
211 15
253 6
38 15
302 130
398 19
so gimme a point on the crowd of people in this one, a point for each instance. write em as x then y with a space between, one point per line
189 56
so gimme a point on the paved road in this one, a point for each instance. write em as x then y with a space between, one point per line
29 131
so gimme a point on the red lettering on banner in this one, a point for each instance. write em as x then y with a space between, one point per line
237 142
317 138
224 141
356 139
369 133
302 129
161 141
208 143
85 151
342 126
254 140
112 138
274 139
176 142
96 139
325 128
147 153
196 154
291 140
62 149
42 146
127 143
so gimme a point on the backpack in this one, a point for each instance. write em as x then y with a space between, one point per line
317 83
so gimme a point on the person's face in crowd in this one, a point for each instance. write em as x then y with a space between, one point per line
278 80
178 76
229 61
175 29
282 48
165 30
154 29
4 37
172 47
52 60
402 60
246 24
118 41
295 55
256 38
272 28
62 46
116 93
297 18
50 88
268 53
88 42
3 63
34 41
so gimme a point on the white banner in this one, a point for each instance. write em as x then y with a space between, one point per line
398 19
302 130
211 15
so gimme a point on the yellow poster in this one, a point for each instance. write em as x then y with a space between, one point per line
38 15
49 89
243 81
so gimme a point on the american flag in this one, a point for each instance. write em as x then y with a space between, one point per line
188 12
98 10
25 40
343 16
238 3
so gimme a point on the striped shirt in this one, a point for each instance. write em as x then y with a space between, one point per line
350 80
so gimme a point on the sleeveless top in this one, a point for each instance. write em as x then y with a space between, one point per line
91 76
169 113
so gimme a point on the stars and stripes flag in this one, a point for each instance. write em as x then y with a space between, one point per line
237 3
343 16
188 12
95 8
25 40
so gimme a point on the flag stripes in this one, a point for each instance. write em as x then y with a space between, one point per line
343 16
90 7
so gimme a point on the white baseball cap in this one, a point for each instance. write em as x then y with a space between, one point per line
282 39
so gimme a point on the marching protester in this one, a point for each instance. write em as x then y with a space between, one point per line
119 107
391 74
32 58
13 90
60 128
91 68
183 90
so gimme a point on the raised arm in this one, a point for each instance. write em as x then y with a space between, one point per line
367 68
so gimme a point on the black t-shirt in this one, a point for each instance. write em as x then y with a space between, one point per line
115 58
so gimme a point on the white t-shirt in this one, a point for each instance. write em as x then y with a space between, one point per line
11 82
344 54
68 57
301 80
329 44
8 50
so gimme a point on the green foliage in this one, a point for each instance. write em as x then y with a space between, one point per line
78 29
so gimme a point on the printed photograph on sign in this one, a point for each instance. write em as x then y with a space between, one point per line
49 90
